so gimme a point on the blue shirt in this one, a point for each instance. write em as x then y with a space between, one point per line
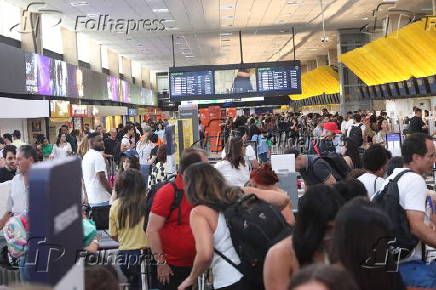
262 147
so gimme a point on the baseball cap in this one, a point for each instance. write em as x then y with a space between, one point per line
331 126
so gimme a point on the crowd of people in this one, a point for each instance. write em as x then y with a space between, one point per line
364 213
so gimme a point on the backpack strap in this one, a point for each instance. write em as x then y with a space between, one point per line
178 196
225 258
399 175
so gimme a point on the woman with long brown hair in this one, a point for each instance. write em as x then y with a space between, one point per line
234 169
204 185
126 224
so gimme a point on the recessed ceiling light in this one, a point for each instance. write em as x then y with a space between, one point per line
189 56
281 22
226 33
427 9
225 45
365 18
160 10
226 25
225 40
79 3
171 28
226 7
169 20
92 15
294 3
227 17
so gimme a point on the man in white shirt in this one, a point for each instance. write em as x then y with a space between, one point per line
419 155
348 123
94 169
19 191
375 160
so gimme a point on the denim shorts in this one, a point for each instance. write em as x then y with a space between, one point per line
419 274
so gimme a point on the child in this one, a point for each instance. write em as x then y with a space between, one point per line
126 224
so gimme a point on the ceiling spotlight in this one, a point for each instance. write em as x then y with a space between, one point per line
226 25
365 18
226 33
169 20
160 10
227 17
294 3
226 7
189 56
79 3
225 39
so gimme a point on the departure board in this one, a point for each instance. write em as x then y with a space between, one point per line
279 79
196 83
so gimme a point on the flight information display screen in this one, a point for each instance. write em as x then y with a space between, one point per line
279 78
196 83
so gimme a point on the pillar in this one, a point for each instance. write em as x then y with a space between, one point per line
113 63
31 26
95 56
127 68
145 77
350 96
311 65
303 68
333 56
321 60
69 44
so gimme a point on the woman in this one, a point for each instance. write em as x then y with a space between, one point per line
126 224
383 129
127 161
62 148
144 150
205 185
350 152
83 147
46 148
323 277
233 167
310 242
265 178
361 232
159 172
160 132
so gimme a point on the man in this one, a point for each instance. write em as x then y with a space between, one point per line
375 160
419 155
7 138
17 142
110 143
416 124
171 242
19 191
128 141
317 132
358 136
8 172
97 186
313 169
349 122
87 129
70 139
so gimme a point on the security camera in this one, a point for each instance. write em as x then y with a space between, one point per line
325 39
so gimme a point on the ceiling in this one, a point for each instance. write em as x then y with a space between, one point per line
206 31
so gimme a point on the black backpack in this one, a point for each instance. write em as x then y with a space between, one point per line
254 227
337 163
178 195
356 134
389 201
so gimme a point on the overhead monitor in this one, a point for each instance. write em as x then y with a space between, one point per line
279 78
194 83
235 81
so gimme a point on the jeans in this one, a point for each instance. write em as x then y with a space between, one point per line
130 264
263 157
105 203
145 170
24 272
419 274
180 274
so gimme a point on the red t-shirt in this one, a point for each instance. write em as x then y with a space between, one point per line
177 240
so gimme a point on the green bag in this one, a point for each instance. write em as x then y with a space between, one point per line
89 232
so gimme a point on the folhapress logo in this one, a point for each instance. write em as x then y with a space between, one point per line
32 21
103 22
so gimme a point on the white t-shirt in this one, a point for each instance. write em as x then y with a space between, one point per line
18 199
372 183
413 193
61 151
144 152
126 141
233 176
356 125
348 125
93 163
250 154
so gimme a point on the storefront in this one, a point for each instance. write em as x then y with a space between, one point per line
27 116
109 116
132 115
81 115
60 114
